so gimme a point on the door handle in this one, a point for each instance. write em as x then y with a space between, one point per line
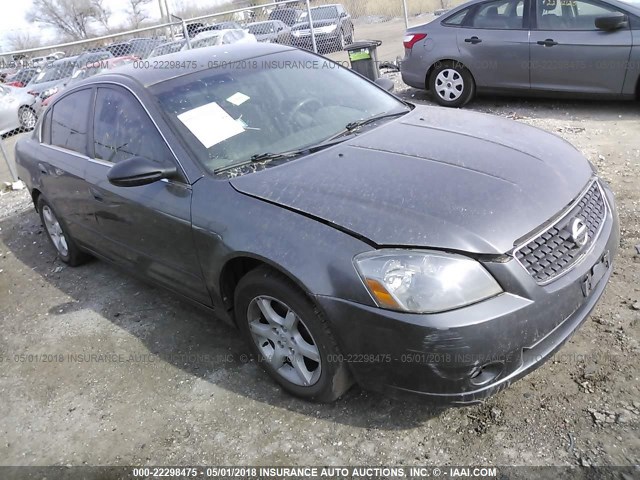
547 43
473 40
96 194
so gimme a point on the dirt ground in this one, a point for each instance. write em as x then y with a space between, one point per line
101 369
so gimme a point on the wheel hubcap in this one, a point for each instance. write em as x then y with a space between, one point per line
284 341
55 232
28 119
449 85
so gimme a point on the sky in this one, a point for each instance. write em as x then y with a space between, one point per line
14 12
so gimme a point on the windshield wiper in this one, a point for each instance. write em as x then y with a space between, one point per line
268 157
350 127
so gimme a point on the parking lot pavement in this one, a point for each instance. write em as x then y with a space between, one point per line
99 368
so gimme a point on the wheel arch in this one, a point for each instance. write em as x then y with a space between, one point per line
240 265
35 195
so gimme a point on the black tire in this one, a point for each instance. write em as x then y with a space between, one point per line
451 84
350 37
330 378
71 255
27 118
340 41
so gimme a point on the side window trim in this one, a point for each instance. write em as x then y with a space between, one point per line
118 87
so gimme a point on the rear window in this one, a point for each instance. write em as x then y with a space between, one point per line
69 120
456 19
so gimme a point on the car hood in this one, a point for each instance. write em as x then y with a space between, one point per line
436 178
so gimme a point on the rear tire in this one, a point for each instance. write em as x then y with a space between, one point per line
290 337
451 84
59 237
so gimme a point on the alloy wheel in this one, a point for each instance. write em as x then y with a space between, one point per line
54 230
284 341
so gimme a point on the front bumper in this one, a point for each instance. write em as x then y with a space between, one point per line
466 355
305 41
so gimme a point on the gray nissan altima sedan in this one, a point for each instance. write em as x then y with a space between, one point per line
586 48
350 236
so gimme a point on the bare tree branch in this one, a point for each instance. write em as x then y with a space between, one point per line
137 13
101 13
23 40
72 18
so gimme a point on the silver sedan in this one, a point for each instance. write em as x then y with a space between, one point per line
548 47
17 109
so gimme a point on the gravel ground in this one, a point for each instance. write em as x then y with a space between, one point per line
168 385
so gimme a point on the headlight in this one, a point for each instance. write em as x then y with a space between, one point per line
327 29
296 33
48 92
424 282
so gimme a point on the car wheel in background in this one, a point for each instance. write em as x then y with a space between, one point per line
66 248
350 37
290 337
451 84
28 118
340 42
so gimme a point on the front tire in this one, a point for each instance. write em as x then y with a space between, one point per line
290 337
59 237
451 84
28 118
340 42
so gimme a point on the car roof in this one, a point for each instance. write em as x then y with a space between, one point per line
223 54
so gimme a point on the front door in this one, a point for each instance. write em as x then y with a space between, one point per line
147 228
568 52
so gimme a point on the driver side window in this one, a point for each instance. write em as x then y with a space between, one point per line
122 129
569 14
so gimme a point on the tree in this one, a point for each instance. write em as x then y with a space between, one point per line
137 13
21 40
71 18
101 13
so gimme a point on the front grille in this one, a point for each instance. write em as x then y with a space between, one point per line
553 252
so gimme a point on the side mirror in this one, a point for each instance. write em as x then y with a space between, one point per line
138 171
385 83
612 22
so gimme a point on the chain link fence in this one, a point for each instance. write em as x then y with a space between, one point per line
31 79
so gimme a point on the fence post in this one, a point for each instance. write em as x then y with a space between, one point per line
185 31
406 13
311 29
14 175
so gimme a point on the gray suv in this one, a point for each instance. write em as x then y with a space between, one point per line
549 47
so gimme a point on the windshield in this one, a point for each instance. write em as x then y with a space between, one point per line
56 71
261 28
321 13
167 48
284 102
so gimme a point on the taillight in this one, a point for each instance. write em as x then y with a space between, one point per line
410 39
31 92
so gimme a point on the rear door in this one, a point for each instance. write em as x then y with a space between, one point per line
494 44
146 228
568 53
64 159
